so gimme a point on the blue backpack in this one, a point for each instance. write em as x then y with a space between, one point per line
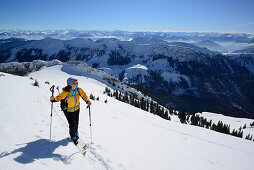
63 102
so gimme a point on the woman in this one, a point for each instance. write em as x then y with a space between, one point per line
71 95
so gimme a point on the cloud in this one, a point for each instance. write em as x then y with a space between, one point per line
241 25
250 23
170 25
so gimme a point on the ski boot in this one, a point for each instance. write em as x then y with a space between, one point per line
74 140
76 134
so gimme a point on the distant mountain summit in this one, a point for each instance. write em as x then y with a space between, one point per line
211 45
195 47
146 40
249 49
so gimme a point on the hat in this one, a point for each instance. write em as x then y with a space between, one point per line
70 81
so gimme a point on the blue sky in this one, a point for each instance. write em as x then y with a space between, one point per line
129 15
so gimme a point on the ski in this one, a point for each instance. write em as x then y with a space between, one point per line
81 146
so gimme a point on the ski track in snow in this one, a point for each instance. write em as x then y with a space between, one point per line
103 162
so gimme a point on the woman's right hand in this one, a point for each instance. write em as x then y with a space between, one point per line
52 98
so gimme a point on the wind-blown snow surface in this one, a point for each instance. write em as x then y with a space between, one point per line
124 137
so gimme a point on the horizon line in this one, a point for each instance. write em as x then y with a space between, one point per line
163 31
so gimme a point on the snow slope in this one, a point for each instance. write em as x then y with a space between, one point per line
124 137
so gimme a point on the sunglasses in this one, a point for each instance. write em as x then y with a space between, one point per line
75 84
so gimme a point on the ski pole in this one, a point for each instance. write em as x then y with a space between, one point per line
90 124
52 90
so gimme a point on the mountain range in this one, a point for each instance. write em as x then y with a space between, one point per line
180 74
125 35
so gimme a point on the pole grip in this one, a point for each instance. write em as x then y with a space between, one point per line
52 89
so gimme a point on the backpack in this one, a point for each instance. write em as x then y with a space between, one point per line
63 102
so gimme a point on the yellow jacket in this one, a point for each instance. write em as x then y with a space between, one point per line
72 107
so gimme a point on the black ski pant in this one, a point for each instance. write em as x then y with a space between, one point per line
73 120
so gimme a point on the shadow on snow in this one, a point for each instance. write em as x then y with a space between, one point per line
39 149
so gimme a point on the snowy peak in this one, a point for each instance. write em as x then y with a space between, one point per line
48 45
81 43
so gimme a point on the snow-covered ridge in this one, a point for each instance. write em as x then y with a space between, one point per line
124 137
53 48
72 67
22 69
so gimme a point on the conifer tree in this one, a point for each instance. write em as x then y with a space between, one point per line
240 134
92 97
143 103
195 119
244 127
167 115
175 113
36 83
126 98
157 109
234 133
135 103
151 107
252 124
170 110
147 105
214 127
132 100
117 95
248 137
182 116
